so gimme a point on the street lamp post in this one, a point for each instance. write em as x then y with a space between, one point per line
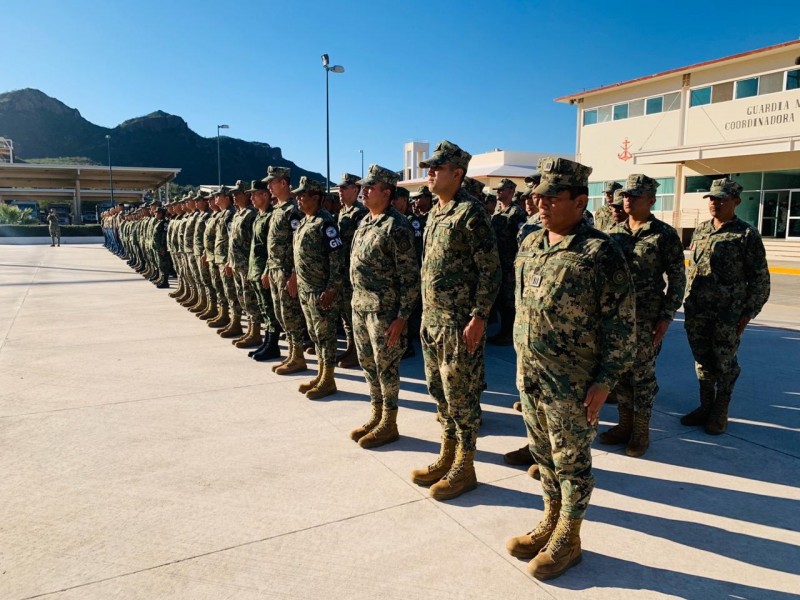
219 160
361 152
328 69
110 172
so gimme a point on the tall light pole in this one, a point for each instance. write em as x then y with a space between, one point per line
328 69
219 160
110 172
361 152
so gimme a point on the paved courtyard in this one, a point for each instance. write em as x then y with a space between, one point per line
143 457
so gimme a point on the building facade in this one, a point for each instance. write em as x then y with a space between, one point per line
737 116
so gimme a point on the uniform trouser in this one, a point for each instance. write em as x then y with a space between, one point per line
229 286
287 309
190 271
637 389
321 326
714 346
264 299
561 440
381 364
206 278
346 309
163 266
455 381
219 286
246 296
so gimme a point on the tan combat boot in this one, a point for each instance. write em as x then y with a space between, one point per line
619 434
200 305
460 478
222 319
519 457
210 312
191 299
375 418
178 291
295 364
640 436
699 415
252 339
385 433
349 358
234 329
535 472
563 550
527 546
439 468
285 361
304 387
325 386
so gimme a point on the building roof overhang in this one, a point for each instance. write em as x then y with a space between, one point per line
14 175
702 152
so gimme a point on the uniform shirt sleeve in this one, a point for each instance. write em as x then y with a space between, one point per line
676 275
336 257
487 261
757 275
405 260
617 317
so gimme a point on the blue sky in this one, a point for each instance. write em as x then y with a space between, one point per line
482 74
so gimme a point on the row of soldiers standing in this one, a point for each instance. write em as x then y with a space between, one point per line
591 312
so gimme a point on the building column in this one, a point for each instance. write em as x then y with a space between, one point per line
77 216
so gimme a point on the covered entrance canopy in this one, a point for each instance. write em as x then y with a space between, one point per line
73 183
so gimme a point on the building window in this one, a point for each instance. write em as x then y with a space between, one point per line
655 105
793 80
771 83
699 183
604 114
700 96
672 101
635 108
747 88
722 92
589 117
620 111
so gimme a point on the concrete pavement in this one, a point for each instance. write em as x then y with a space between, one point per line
144 457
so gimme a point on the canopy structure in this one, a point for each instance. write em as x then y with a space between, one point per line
73 183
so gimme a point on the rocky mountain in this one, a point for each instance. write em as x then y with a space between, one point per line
44 127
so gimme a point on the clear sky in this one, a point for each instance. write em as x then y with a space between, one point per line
482 74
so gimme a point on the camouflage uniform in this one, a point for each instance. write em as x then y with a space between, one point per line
652 251
280 262
531 224
574 329
206 281
728 280
54 229
319 263
221 249
604 215
385 276
257 266
348 219
460 279
217 290
241 236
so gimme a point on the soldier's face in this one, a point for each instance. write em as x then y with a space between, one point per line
308 203
348 193
376 197
443 180
559 213
723 209
277 185
421 205
609 197
260 199
240 198
637 206
400 204
505 195
530 205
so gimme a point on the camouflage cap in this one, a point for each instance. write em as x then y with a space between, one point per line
640 185
472 186
446 152
201 196
238 187
505 184
402 193
349 179
421 191
559 174
257 185
724 188
278 173
309 186
617 197
533 180
378 174
222 191
611 186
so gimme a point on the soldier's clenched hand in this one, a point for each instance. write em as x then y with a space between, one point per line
473 333
394 331
595 398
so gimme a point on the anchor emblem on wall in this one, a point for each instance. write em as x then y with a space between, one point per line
625 154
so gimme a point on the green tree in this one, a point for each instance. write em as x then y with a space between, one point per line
11 215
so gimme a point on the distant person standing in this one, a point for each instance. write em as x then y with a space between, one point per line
604 215
728 286
54 228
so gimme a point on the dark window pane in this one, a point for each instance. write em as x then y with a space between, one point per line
700 96
793 79
782 180
620 111
655 105
747 88
699 183
589 117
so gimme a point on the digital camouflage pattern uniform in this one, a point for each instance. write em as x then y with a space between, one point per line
506 223
217 289
221 249
531 224
574 329
241 236
604 215
319 263
385 276
206 282
348 219
728 279
280 262
653 251
460 279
